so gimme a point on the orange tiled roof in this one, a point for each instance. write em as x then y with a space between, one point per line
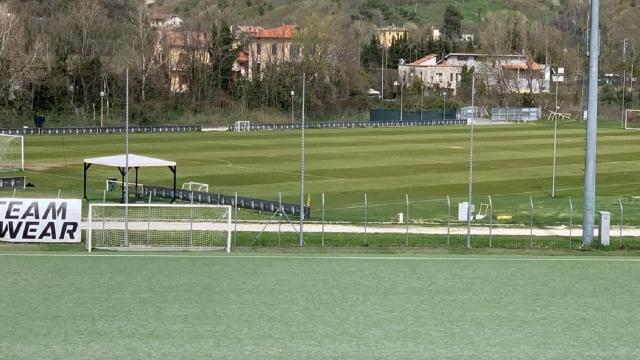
423 59
534 66
284 31
242 57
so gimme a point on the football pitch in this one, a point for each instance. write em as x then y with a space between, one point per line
303 306
427 164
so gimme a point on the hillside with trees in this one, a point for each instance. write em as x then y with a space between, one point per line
59 56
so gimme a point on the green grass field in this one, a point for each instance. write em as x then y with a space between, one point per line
427 163
306 306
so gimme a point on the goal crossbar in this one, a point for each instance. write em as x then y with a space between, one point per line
159 227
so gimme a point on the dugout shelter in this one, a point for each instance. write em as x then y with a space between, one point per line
135 162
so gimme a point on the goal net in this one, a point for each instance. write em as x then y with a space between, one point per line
242 126
632 119
11 152
195 186
159 227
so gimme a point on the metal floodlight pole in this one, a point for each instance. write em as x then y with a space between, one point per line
126 161
304 81
444 104
553 169
382 74
401 102
592 129
293 93
531 221
421 99
624 77
490 220
470 201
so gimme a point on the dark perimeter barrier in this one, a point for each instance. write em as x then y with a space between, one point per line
221 199
101 130
352 124
14 182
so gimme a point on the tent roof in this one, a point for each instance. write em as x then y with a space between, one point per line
134 161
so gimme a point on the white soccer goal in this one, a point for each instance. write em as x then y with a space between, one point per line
195 186
11 152
242 126
632 119
159 227
114 185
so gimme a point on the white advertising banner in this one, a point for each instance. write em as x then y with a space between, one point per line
40 220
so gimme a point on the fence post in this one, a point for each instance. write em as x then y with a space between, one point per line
621 220
235 222
570 222
322 219
490 220
365 219
279 218
406 221
531 222
448 220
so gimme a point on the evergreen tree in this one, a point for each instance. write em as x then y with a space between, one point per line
452 23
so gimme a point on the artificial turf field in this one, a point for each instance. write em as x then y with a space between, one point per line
304 306
426 163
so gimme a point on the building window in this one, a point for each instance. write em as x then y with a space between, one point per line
451 77
294 51
258 49
274 49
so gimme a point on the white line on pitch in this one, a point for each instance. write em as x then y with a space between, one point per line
334 257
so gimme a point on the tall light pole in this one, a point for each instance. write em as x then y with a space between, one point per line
399 86
624 77
473 120
553 169
304 81
101 105
592 128
293 93
421 99
444 104
382 73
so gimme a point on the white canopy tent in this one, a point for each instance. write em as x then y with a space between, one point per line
135 161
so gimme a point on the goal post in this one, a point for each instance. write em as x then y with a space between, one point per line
632 119
112 185
242 126
195 186
11 152
159 227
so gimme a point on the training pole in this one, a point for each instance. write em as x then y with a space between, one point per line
473 120
302 166
592 128
126 162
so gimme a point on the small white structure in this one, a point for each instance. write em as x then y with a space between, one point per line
462 211
165 21
605 226
135 162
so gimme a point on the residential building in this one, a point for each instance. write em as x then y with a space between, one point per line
388 34
432 73
516 73
178 51
165 21
436 34
268 47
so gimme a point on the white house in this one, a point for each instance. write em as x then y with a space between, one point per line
165 21
517 73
